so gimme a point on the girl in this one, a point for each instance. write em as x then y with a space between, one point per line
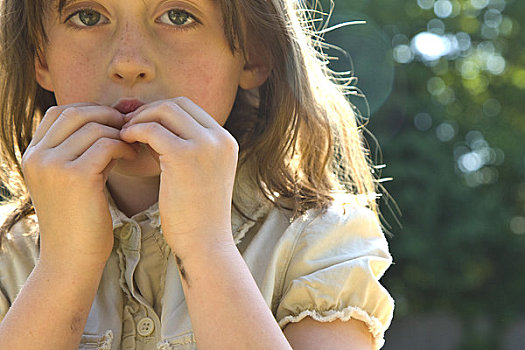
197 180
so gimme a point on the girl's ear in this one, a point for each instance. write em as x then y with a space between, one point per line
256 70
43 77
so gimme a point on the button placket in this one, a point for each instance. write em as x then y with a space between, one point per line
145 319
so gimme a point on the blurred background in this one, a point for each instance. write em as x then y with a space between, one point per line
444 82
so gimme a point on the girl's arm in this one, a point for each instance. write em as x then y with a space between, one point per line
226 307
51 309
309 334
65 168
228 311
198 159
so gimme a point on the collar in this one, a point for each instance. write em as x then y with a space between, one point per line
246 196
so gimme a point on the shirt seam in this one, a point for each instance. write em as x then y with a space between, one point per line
291 253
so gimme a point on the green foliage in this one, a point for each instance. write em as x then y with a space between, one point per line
452 133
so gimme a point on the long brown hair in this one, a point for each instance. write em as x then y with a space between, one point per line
300 138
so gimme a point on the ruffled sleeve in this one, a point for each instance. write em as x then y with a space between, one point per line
334 271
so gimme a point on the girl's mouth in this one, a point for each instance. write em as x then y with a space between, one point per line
126 106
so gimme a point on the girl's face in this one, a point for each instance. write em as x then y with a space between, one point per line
104 51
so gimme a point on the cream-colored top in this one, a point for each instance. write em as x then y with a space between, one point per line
322 264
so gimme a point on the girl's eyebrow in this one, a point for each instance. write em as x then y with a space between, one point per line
62 4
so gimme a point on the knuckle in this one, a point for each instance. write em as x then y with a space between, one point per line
53 165
227 141
37 165
52 113
28 162
73 111
209 143
167 107
53 110
230 140
106 142
74 170
180 99
150 128
94 128
33 161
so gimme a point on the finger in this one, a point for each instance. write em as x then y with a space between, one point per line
73 118
160 139
107 170
78 142
199 114
99 156
49 118
171 116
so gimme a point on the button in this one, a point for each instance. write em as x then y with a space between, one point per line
146 326
125 231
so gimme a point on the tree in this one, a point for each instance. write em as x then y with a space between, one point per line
444 80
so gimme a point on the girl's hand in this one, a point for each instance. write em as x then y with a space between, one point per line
198 159
65 168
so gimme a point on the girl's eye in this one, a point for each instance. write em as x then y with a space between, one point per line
86 18
177 17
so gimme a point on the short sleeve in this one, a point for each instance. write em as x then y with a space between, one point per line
334 272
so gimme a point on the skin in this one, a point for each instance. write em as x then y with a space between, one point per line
187 163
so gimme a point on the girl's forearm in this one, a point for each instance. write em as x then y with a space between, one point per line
226 307
51 310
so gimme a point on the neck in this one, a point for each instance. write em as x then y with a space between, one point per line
133 194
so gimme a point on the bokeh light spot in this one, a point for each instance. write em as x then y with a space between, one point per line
423 121
497 4
479 4
445 132
496 64
443 8
436 86
436 26
425 4
489 32
469 70
518 78
493 18
470 162
431 46
517 225
403 54
464 41
491 107
506 26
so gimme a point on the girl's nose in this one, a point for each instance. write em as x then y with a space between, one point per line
130 64
130 71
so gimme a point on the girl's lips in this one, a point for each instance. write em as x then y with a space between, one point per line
128 105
